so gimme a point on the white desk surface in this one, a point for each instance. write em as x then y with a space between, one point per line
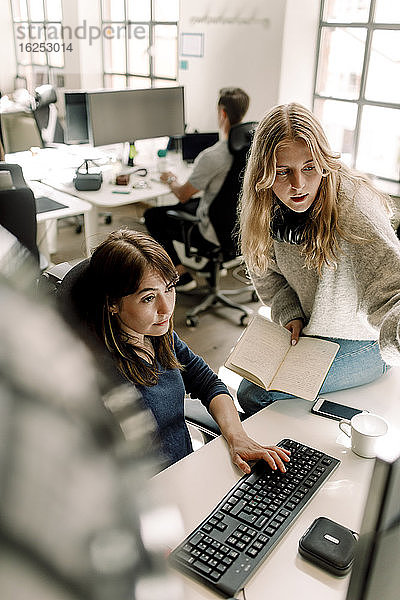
198 482
55 167
73 206
109 195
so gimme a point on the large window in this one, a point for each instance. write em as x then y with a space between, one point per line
357 86
38 39
140 42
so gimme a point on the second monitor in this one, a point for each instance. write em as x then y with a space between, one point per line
115 116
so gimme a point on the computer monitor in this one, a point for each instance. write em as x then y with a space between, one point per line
76 118
194 143
376 571
114 116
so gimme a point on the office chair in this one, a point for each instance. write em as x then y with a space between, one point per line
20 131
223 216
67 283
18 210
46 115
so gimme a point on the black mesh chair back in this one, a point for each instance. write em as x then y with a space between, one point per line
223 209
18 210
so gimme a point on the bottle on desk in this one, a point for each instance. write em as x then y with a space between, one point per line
162 164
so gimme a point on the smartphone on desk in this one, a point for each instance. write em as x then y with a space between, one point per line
333 410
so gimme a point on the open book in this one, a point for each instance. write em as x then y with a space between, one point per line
264 355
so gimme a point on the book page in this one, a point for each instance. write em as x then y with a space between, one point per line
260 351
305 367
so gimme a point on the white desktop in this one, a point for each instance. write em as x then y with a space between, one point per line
198 482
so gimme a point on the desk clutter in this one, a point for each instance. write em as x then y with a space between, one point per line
237 536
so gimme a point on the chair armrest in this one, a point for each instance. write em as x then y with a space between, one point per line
187 222
181 215
197 415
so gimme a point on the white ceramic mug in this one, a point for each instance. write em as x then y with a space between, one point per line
6 182
364 430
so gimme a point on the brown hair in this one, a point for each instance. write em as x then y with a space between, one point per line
282 124
235 101
116 269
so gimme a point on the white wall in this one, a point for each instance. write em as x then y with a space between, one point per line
242 47
8 68
299 51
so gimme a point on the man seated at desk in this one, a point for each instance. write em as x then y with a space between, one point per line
210 169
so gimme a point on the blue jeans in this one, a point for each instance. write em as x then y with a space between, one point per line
356 363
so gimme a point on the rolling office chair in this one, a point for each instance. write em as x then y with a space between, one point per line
223 216
18 210
46 115
20 131
67 282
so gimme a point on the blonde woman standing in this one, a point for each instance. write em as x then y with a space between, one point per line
318 243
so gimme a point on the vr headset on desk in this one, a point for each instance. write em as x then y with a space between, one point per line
85 181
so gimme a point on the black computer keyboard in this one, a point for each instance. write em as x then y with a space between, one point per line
230 544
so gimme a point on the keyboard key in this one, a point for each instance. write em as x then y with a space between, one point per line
201 567
196 539
247 517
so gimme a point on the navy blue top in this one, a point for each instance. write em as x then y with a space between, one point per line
166 398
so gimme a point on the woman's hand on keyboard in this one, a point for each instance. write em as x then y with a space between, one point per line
242 448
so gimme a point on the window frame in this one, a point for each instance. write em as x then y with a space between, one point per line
54 75
151 24
370 26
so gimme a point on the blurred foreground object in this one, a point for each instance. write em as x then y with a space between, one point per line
73 503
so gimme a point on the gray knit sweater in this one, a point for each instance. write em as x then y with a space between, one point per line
360 299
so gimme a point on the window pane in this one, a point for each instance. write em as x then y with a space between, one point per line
25 72
139 10
346 11
340 62
113 10
116 82
53 35
379 146
164 83
138 56
53 10
339 121
166 10
36 10
387 11
20 11
383 80
139 83
21 38
38 36
165 50
57 78
114 52
40 76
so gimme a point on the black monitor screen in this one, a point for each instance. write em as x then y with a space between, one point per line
376 572
76 118
194 143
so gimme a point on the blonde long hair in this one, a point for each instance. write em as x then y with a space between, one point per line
283 124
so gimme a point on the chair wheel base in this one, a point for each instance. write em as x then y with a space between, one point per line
244 320
192 321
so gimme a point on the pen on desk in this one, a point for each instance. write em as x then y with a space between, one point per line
121 192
